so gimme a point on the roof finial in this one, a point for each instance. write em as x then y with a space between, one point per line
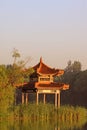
41 59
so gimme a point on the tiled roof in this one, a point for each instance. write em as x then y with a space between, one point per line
42 68
36 66
52 86
42 86
29 86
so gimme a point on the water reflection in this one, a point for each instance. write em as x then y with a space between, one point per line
41 125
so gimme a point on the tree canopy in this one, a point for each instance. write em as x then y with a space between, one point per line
77 79
15 55
73 67
10 76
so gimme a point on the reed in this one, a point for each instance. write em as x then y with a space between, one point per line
32 111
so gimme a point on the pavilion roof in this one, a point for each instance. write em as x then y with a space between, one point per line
46 86
44 69
52 86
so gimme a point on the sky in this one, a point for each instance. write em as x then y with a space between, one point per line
55 30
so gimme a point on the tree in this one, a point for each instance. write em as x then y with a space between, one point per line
6 91
17 72
69 66
73 67
15 55
10 77
76 66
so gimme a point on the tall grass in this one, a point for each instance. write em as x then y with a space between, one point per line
47 112
46 116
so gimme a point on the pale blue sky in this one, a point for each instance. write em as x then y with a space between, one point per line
53 29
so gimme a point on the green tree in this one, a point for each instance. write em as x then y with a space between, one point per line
6 99
73 67
15 55
76 66
6 91
15 75
69 66
3 76
12 76
17 72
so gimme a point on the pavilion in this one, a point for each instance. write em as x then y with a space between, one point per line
42 82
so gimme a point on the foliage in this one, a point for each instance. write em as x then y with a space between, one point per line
77 93
6 99
73 67
17 72
15 55
3 76
81 82
6 90
76 66
18 75
48 112
10 77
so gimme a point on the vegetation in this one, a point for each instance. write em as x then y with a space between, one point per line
12 75
47 112
77 79
6 99
73 67
15 55
77 94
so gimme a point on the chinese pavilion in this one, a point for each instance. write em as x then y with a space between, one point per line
42 82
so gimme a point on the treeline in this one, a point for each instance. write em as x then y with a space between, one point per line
77 79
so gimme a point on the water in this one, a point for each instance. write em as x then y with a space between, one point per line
41 125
